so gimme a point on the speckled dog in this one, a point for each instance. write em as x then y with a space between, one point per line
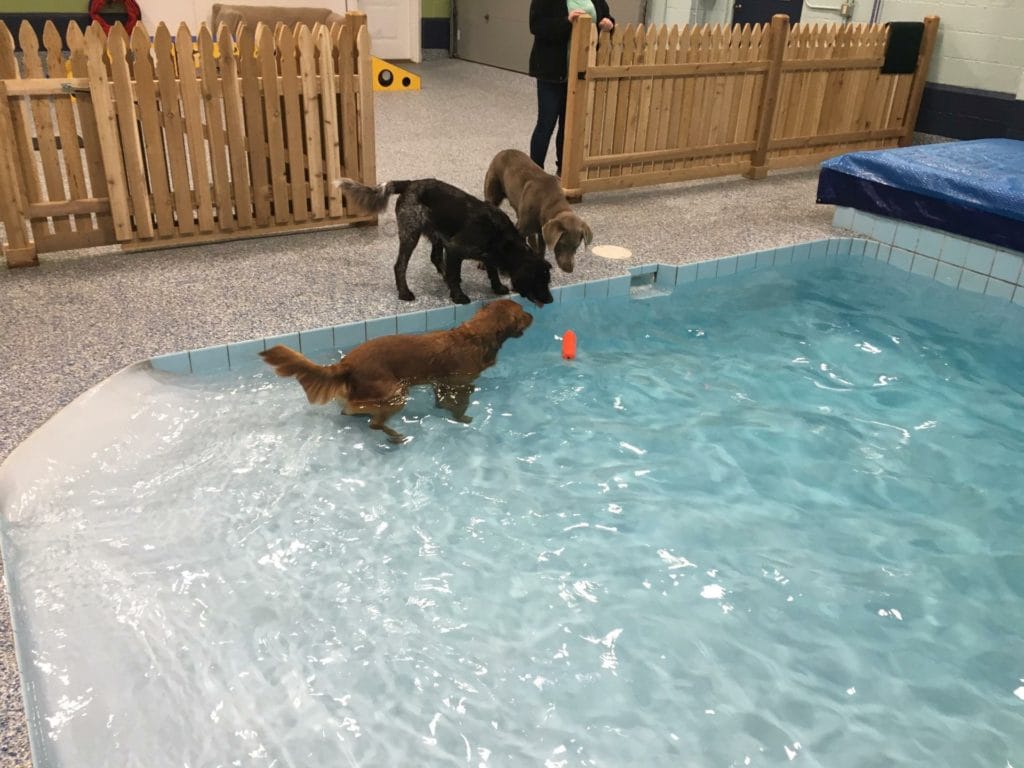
459 226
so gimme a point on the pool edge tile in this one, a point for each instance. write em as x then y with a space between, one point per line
173 362
244 353
209 359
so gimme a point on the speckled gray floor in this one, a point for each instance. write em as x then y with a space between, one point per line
77 318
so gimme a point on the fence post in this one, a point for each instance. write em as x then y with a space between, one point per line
778 34
20 251
581 48
924 57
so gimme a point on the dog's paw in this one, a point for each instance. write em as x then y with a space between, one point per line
407 296
499 289
460 298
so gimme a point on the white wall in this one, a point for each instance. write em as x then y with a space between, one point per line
980 44
195 12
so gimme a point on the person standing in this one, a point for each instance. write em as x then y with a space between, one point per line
551 26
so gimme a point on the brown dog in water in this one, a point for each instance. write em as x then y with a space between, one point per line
543 214
374 378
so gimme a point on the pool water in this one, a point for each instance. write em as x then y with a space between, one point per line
770 518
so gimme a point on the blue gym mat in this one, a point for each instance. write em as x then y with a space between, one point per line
970 188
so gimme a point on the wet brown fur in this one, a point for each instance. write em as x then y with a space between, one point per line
375 377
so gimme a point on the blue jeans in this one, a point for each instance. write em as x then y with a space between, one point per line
551 98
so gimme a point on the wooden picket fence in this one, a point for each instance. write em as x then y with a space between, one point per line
164 141
651 105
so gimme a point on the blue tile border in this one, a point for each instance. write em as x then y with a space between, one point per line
316 341
955 262
209 359
598 289
245 353
176 362
381 326
413 322
440 319
575 292
288 339
961 262
349 335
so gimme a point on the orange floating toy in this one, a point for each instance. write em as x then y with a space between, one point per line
569 345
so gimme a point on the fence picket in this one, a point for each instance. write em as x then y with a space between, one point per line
66 128
152 136
275 133
750 50
622 108
348 112
739 43
611 112
174 134
234 119
90 137
677 55
598 104
643 122
660 101
22 125
106 126
20 251
198 161
364 97
213 102
39 107
117 47
328 98
311 121
253 111
290 87
700 52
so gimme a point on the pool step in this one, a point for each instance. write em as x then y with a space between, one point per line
643 286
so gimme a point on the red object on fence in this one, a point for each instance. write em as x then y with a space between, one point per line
130 7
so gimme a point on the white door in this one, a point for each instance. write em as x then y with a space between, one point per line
394 27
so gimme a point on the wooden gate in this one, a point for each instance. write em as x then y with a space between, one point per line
651 105
170 140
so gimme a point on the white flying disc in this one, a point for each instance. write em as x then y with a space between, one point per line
612 252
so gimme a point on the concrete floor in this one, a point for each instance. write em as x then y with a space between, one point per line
79 317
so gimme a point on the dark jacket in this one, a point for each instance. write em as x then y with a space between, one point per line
549 24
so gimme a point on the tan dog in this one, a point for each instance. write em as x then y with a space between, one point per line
543 214
374 378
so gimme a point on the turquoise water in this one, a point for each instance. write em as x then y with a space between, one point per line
772 518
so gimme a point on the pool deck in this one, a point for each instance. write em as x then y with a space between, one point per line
80 317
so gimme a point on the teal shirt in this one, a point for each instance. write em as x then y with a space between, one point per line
583 5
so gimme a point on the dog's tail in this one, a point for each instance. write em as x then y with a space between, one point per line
322 383
371 199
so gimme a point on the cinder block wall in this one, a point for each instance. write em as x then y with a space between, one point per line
980 46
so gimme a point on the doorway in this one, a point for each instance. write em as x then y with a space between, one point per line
497 32
394 27
761 11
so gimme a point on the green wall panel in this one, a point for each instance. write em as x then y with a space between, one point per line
436 9
44 6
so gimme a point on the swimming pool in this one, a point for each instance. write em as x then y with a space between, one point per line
768 518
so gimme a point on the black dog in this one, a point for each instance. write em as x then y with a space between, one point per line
459 226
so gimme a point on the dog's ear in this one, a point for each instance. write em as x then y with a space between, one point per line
552 232
588 236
